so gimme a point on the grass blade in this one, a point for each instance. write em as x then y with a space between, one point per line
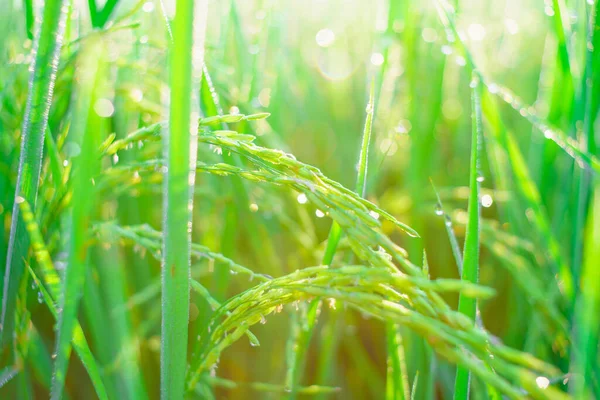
470 272
568 144
585 345
100 17
586 111
363 160
78 340
39 98
85 135
49 291
449 230
180 153
531 197
6 374
397 386
29 21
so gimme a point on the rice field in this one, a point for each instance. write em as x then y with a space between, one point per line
278 199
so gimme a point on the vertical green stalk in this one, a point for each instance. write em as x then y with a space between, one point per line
29 21
46 52
585 113
470 272
85 134
47 285
587 333
397 386
177 208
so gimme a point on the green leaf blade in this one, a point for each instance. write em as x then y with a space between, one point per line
39 99
470 270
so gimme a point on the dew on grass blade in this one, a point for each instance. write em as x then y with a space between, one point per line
302 199
542 382
486 200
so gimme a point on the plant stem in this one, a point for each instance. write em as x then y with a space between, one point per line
470 272
85 134
179 152
46 52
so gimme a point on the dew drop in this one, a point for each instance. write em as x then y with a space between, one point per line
148 7
487 200
476 32
438 210
302 199
332 303
447 220
136 95
542 382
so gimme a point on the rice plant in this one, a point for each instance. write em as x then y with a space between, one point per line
278 199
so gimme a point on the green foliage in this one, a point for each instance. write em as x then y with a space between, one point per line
178 195
39 98
157 208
